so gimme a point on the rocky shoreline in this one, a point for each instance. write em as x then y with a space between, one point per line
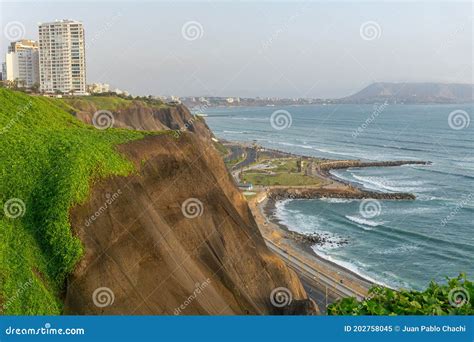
343 189
314 238
305 241
349 191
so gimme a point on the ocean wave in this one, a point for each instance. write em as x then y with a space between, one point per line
302 223
250 119
411 227
235 132
298 221
280 206
363 221
392 180
397 250
295 145
336 200
332 152
403 148
356 267
382 183
415 210
444 172
426 198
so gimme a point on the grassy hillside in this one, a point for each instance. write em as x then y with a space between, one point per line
48 160
109 102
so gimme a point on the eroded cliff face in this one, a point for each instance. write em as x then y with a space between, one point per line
176 237
138 115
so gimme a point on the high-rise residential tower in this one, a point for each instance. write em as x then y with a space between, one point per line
62 57
22 63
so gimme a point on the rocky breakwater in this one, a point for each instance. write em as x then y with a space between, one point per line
348 192
344 164
325 167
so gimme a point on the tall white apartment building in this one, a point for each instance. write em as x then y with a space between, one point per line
62 57
22 63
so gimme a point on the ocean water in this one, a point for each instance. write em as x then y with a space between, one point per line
397 243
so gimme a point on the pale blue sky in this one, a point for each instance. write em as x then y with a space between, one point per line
283 49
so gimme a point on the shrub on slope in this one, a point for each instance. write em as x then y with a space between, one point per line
453 298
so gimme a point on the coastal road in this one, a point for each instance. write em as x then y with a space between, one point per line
322 288
322 296
311 273
250 157
236 152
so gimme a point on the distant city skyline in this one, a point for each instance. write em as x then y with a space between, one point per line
312 50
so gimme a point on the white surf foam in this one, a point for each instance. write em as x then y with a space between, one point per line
234 132
363 221
353 267
385 184
295 145
336 200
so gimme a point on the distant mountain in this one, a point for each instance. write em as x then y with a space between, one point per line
413 93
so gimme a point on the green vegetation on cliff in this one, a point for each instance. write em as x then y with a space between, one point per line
48 161
107 102
453 298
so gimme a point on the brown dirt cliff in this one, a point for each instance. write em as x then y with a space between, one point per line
176 237
140 116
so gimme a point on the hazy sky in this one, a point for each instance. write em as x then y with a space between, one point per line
283 49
